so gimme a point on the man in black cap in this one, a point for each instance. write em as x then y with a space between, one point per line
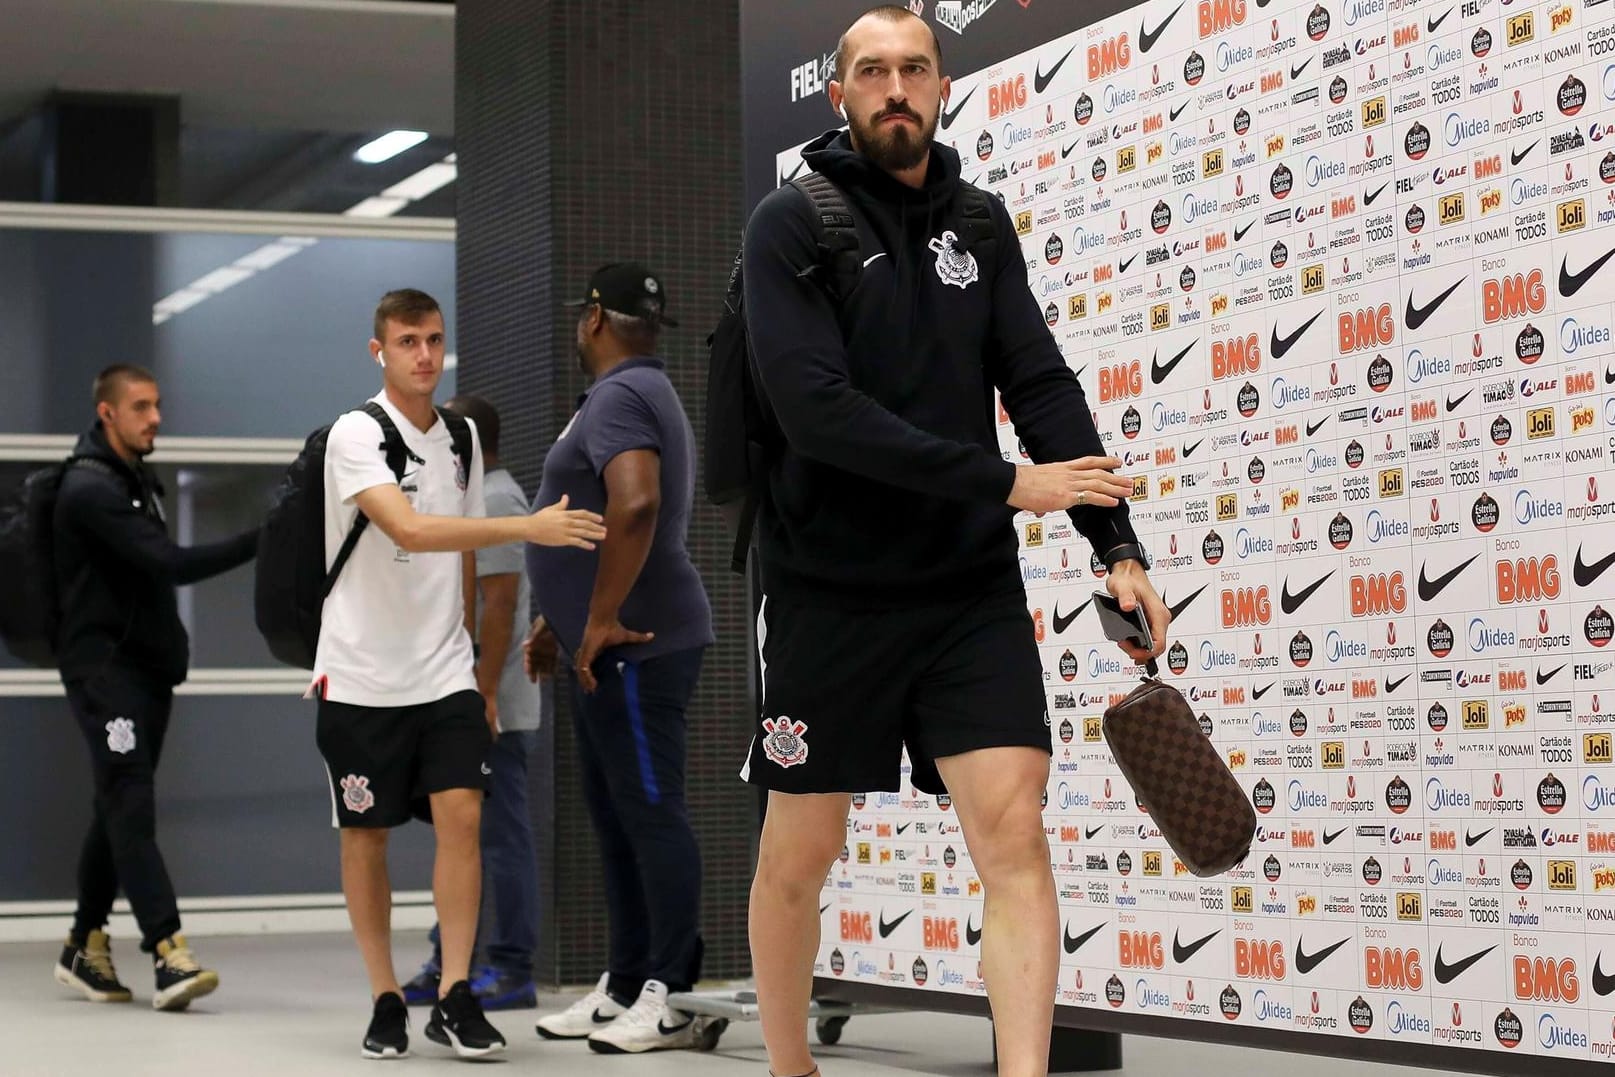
633 616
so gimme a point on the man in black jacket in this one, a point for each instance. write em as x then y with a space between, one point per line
895 613
121 649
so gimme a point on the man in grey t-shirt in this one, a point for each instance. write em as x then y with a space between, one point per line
515 708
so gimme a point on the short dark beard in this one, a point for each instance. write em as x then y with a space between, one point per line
896 150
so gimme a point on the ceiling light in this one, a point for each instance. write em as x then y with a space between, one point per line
388 146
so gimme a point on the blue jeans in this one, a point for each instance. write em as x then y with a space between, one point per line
509 861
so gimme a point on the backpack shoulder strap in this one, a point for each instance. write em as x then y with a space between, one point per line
836 232
459 435
981 235
392 441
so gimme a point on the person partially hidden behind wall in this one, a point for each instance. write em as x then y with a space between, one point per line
121 649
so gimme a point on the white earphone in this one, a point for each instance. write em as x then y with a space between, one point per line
843 111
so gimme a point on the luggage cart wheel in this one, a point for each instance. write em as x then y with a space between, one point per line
711 1034
828 1030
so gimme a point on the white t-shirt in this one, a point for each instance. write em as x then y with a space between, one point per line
392 632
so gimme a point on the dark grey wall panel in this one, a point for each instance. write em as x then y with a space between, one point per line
588 133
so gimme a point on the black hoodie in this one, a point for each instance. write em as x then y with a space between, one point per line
117 570
893 489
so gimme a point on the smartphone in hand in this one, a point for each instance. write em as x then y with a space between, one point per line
1120 626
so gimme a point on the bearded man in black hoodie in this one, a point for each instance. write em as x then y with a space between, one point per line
121 649
894 613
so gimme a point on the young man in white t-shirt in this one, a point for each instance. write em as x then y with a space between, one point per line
401 725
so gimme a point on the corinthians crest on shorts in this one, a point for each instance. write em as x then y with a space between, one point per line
356 794
953 265
782 741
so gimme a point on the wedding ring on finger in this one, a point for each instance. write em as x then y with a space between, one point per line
1082 496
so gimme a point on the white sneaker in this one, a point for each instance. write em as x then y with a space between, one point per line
587 1015
649 1025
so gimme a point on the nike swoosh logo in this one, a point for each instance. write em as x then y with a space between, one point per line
1088 835
1063 623
1516 158
601 1018
1182 953
1290 603
1454 405
1603 983
1177 611
1432 25
1258 693
1446 973
1429 589
822 908
1121 266
1239 233
783 180
903 826
972 933
1305 962
1329 839
1585 574
1571 283
872 257
1392 686
1417 315
1313 429
666 1030
1295 72
1544 678
1368 199
1040 81
1147 38
1283 344
1072 945
1609 375
1066 151
886 929
1472 840
949 115
1159 373
1175 113
1188 450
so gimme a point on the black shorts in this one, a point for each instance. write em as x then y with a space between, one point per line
385 762
845 691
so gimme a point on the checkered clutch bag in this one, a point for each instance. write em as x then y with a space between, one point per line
1196 802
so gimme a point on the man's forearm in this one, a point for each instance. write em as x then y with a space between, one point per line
622 557
458 534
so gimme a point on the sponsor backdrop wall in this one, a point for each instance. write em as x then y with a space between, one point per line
1336 279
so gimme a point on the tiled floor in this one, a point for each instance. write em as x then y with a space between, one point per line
296 1007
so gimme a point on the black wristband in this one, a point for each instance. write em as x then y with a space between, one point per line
1127 551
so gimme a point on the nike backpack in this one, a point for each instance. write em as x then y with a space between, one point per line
742 439
30 606
292 582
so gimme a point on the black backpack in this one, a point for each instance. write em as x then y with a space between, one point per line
292 582
30 605
742 438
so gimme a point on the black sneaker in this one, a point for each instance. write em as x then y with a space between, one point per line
179 978
457 1022
88 969
388 1035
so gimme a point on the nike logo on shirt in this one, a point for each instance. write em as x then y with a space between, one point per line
872 257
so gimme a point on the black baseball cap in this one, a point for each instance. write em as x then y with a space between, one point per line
627 288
